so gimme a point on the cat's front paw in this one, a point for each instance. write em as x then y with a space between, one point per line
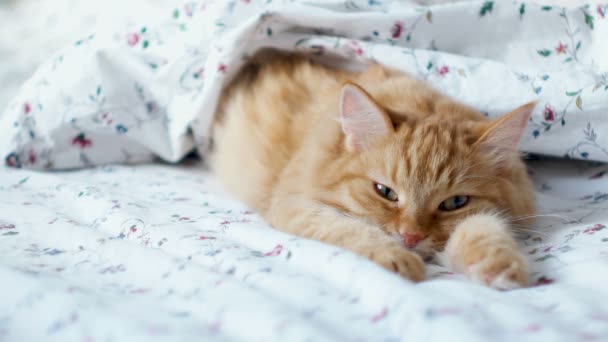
482 248
502 269
395 258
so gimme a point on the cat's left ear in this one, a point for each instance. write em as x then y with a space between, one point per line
502 136
362 119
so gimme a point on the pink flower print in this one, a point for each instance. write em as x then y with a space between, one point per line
275 251
599 175
31 157
189 9
139 291
354 46
380 315
107 119
595 228
203 237
7 226
443 70
600 11
222 68
544 281
133 38
532 328
81 141
397 30
246 1
561 48
549 113
27 108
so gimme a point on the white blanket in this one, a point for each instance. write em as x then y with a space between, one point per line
150 89
156 253
148 253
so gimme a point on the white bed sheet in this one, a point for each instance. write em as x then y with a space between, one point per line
158 253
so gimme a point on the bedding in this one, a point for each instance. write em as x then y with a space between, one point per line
159 253
148 88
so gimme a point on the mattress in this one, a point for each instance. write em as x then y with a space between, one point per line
159 252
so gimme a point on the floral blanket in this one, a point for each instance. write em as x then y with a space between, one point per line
148 88
158 253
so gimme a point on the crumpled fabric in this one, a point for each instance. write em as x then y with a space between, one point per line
149 90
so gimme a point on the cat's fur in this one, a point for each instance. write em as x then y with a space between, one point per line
304 144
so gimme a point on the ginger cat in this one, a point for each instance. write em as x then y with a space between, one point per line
378 163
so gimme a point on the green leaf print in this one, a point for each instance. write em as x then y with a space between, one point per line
572 93
429 66
579 103
487 7
98 90
544 53
546 8
522 10
145 44
429 16
301 41
176 13
545 257
578 45
588 20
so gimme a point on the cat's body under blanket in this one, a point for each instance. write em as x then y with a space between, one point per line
378 163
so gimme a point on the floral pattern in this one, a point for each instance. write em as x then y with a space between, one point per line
149 252
149 89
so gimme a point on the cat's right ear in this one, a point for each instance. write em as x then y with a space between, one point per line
362 119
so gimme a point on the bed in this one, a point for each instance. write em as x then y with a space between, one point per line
121 250
158 252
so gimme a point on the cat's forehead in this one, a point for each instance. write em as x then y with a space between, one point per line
430 153
441 132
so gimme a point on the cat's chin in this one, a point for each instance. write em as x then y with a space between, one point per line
426 256
424 250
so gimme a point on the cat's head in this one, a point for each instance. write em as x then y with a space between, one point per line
418 178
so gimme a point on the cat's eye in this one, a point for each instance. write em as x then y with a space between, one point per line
454 203
386 192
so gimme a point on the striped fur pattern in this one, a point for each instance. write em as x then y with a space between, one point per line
304 145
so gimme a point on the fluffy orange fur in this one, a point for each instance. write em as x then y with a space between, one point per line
368 160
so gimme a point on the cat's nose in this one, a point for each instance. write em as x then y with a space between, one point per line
411 240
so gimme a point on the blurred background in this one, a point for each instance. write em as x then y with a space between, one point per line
31 30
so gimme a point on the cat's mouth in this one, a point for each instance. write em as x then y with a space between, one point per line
424 249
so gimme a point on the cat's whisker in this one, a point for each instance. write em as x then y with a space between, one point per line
528 231
527 217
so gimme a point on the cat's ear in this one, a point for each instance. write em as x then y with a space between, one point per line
501 138
362 119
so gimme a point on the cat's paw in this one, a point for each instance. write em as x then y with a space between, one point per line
482 248
395 258
505 269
